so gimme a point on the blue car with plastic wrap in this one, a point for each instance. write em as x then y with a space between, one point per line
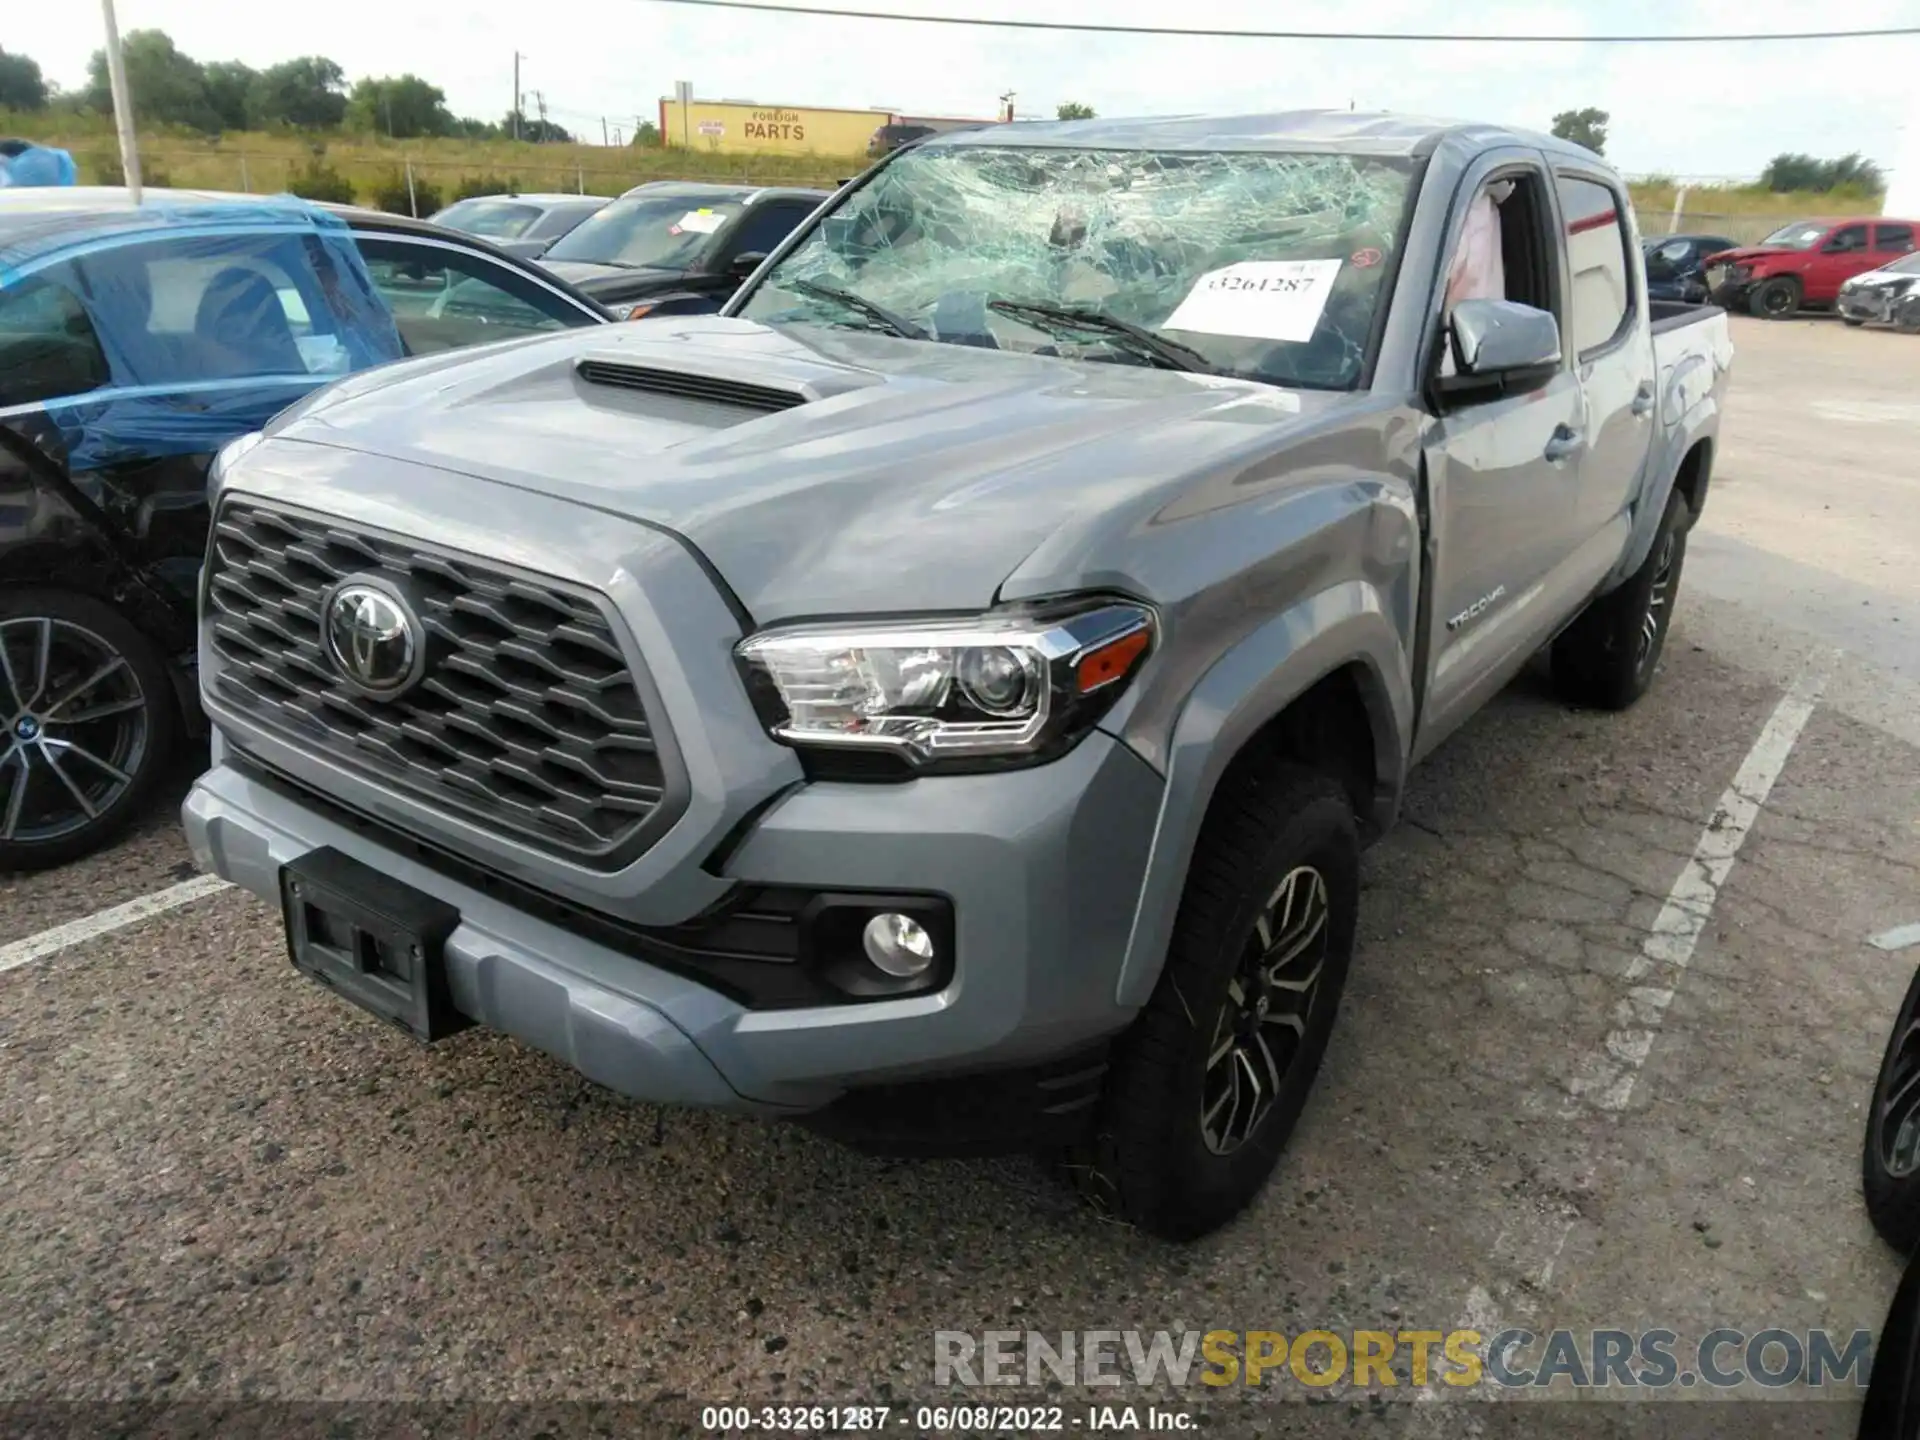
135 342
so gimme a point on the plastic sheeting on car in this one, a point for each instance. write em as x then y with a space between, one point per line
941 231
206 319
25 164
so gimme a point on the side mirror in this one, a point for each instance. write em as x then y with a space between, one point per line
1495 337
745 263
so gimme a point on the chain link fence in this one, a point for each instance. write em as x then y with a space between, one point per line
408 185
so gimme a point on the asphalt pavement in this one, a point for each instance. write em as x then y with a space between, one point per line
1603 1063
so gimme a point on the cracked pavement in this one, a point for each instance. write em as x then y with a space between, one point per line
218 1183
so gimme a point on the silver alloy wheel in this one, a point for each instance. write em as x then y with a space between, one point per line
1657 599
1263 1021
73 728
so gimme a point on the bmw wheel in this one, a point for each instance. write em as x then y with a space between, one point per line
88 722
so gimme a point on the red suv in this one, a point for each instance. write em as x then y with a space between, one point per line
1805 263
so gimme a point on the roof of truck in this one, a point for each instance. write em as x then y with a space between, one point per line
1339 131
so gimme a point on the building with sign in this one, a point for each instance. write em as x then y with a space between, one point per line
746 127
740 127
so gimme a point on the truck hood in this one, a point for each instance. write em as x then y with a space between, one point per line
1747 254
827 472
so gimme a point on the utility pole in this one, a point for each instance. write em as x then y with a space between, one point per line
603 130
1006 105
540 100
517 58
122 105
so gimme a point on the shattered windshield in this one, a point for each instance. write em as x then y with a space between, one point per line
1262 265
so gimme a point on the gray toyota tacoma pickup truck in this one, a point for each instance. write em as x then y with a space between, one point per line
945 695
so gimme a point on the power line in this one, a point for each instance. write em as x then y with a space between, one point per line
768 7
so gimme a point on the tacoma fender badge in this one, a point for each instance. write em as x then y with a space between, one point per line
1477 608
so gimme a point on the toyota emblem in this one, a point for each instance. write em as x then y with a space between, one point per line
373 637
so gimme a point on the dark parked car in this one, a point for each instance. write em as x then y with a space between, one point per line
523 225
136 342
674 248
1676 265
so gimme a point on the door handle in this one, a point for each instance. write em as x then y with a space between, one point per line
1643 401
1565 444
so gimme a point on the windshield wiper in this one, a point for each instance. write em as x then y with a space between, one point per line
873 310
1169 352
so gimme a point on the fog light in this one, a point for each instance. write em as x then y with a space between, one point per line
899 945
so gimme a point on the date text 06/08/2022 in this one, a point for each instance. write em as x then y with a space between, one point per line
936 1419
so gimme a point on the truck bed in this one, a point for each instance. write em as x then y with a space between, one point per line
1672 314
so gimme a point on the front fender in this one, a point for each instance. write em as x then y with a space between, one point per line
1346 624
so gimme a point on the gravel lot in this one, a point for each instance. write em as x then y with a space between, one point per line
217 1184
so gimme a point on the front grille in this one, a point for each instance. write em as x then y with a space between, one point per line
527 720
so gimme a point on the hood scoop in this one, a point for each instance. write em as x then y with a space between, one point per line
691 385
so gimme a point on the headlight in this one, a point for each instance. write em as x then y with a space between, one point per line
1003 688
633 310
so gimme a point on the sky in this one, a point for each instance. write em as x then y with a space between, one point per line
1692 111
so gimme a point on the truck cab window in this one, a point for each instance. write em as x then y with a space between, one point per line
1503 252
1597 229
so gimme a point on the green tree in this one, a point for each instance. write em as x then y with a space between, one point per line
467 128
1074 110
1586 127
229 91
647 134
320 181
541 132
402 106
1795 171
308 94
169 88
22 86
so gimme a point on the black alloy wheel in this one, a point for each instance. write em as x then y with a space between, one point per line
1263 1024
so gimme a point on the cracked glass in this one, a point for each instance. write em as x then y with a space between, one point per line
1146 237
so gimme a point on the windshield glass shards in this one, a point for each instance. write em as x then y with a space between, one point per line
1269 266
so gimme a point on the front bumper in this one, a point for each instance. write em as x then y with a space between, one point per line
1873 305
1042 866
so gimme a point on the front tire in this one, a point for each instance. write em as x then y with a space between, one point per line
1776 299
1606 659
1207 1086
88 722
1890 1154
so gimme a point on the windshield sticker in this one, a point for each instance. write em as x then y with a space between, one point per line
1258 300
1365 259
699 222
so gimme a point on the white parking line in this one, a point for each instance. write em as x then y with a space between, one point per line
1898 938
1530 1243
103 922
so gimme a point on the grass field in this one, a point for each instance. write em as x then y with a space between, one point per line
375 168
267 163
